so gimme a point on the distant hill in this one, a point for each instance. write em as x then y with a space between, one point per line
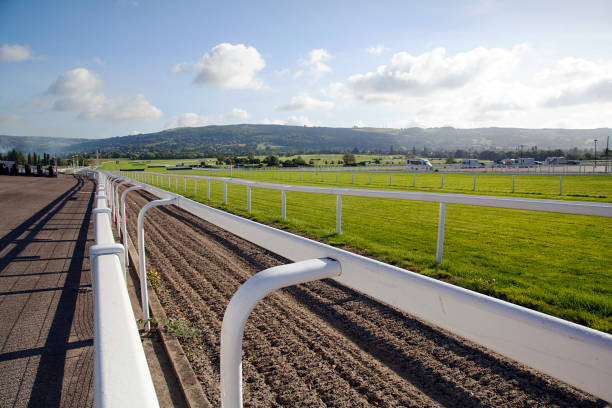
261 139
38 144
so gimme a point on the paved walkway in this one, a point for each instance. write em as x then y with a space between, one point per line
46 303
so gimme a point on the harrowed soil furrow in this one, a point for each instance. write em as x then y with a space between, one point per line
322 344
281 331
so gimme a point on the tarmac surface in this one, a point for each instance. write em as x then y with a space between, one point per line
46 302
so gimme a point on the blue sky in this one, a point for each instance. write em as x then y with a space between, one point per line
102 69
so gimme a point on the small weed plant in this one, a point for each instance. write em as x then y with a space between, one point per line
154 278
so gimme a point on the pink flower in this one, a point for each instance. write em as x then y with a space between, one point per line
160 328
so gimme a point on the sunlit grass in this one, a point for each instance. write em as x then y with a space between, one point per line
554 263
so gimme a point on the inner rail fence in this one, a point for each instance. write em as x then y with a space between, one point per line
577 355
556 206
121 372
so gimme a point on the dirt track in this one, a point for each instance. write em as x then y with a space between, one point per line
322 344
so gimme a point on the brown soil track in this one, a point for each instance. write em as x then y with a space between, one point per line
322 344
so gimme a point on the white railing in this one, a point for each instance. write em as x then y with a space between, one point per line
121 373
577 355
557 206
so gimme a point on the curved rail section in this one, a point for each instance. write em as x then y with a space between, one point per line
144 294
121 373
241 305
577 355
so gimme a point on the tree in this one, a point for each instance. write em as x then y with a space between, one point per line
271 160
451 159
348 159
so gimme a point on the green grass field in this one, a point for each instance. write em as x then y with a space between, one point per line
555 263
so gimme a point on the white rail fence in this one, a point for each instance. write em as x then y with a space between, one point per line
121 372
572 353
558 206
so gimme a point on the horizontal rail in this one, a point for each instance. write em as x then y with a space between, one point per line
121 372
578 355
556 206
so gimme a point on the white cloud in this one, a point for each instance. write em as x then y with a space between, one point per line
78 81
592 92
77 90
315 64
422 75
227 66
301 121
238 114
181 67
376 50
191 119
291 121
305 102
15 53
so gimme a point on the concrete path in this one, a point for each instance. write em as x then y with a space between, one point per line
46 307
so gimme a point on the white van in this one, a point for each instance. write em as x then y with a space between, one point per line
418 164
471 164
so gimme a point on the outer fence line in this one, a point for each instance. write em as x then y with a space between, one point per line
535 339
569 207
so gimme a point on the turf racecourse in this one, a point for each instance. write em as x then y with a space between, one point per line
555 263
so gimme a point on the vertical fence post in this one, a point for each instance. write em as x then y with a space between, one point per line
176 183
338 214
284 205
336 177
225 192
442 181
208 189
352 178
390 178
560 185
513 183
413 179
311 176
440 247
370 178
195 186
474 183
168 181
184 184
322 176
249 198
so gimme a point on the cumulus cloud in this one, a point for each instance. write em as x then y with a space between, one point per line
433 71
314 64
305 102
191 119
301 121
15 53
376 50
291 121
227 66
268 121
78 90
577 81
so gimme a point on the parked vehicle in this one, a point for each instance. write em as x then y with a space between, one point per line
418 164
471 164
555 161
